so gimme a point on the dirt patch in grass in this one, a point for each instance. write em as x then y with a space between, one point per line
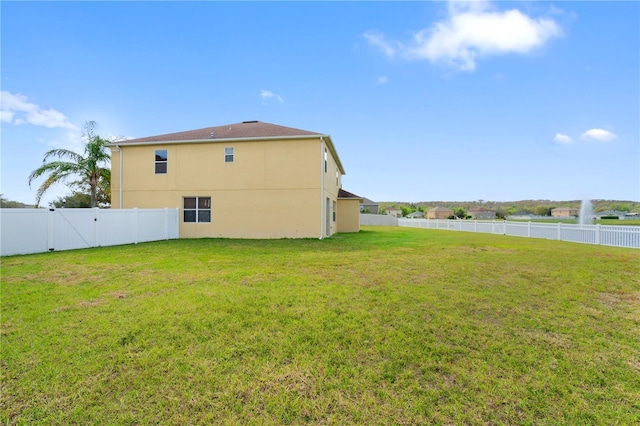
612 300
293 379
90 303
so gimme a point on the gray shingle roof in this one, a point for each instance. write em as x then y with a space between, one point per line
245 129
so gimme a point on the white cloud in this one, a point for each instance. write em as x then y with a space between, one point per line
598 135
118 138
6 116
560 138
16 109
472 30
382 79
74 142
377 40
266 94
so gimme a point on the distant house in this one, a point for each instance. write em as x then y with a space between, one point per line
480 213
416 215
392 211
290 179
564 212
369 206
439 213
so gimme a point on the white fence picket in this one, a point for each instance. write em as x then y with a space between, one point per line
618 236
24 231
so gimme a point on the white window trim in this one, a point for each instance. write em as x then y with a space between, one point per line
197 210
232 155
156 162
325 160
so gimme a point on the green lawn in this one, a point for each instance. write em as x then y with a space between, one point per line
618 222
388 326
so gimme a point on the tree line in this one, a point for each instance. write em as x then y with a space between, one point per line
507 208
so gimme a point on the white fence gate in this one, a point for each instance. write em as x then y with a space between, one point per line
608 235
25 231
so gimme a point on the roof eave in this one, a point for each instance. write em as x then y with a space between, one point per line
214 140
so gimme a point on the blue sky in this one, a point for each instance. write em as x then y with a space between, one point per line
424 101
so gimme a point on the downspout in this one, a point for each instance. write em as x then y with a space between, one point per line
322 208
120 178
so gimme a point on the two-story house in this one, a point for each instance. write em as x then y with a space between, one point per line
564 212
242 180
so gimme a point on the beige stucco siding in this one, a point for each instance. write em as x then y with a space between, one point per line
272 189
256 165
349 215
115 178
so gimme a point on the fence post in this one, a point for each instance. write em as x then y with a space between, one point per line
50 241
559 230
598 234
529 229
166 223
135 225
96 234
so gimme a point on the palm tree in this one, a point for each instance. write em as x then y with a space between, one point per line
92 168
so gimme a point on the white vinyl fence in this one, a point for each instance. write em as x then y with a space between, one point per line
378 219
608 235
25 231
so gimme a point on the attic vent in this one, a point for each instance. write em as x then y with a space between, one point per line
251 121
212 135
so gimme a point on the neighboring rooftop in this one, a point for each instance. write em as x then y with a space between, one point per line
245 129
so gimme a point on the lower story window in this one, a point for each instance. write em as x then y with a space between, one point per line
197 209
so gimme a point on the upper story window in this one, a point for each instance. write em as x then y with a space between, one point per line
337 184
325 160
196 209
161 161
228 155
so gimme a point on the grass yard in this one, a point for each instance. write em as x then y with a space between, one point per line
388 326
618 222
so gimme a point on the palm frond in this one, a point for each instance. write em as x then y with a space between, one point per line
50 181
56 168
62 153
